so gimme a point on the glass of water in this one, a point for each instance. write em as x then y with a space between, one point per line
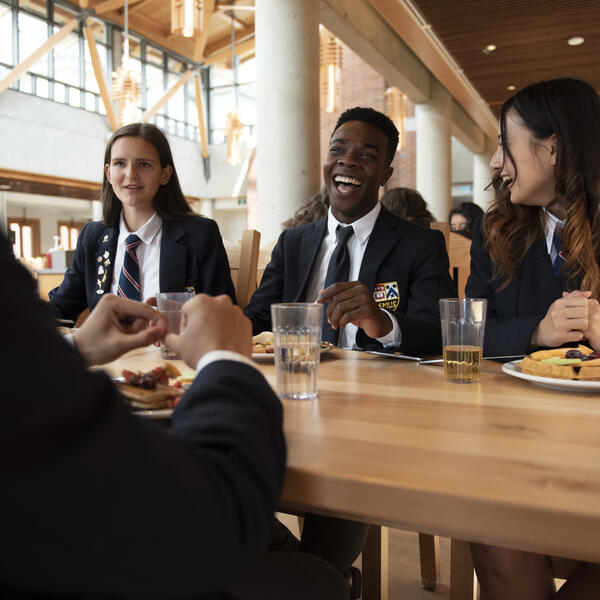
170 304
297 340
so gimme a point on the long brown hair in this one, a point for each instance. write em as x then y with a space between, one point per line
313 210
569 109
169 202
408 204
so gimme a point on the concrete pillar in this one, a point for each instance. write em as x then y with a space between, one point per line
287 55
434 154
482 176
96 210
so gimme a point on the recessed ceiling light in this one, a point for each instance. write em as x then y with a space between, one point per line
490 47
576 40
511 87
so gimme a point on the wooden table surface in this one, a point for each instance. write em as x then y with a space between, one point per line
390 442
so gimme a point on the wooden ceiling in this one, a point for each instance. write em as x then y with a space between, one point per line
530 36
152 19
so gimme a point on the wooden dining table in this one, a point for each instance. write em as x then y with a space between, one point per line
392 443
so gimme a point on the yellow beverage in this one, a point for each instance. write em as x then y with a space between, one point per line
462 364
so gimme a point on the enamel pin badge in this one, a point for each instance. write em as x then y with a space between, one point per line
387 295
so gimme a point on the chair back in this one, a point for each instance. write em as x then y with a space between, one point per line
459 254
243 264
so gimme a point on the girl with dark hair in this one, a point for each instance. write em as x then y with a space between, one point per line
534 256
150 240
462 217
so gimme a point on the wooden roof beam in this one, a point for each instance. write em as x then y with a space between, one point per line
99 74
225 54
225 42
209 7
168 94
110 5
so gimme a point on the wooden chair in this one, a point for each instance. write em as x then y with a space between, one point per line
243 263
459 253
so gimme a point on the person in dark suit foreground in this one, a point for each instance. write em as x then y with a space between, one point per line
397 271
99 503
535 258
174 249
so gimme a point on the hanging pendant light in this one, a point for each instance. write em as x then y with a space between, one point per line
330 66
187 17
395 108
125 87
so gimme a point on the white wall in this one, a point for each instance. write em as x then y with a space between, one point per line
41 136
462 163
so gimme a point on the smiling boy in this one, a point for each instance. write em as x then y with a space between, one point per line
381 280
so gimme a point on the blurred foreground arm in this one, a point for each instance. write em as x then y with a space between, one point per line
86 484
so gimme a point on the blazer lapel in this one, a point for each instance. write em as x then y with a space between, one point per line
104 259
539 284
309 248
383 238
173 258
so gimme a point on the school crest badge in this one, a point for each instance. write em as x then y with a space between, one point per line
387 295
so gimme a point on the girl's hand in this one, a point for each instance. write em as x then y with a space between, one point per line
567 320
592 333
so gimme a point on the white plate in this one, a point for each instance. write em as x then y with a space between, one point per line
394 355
163 413
567 385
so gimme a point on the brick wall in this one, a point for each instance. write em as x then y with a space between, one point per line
361 85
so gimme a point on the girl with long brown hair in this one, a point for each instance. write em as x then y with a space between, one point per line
150 239
535 254
535 257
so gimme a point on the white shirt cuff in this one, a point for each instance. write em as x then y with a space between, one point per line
394 337
215 355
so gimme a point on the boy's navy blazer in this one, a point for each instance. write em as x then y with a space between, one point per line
397 252
513 312
191 256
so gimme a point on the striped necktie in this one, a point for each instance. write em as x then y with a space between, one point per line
129 279
338 270
557 254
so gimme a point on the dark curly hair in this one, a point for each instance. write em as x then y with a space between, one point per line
169 202
379 120
408 204
570 110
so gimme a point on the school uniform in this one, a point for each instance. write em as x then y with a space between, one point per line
514 312
404 266
192 257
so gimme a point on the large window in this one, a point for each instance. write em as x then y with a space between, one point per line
26 235
228 93
66 74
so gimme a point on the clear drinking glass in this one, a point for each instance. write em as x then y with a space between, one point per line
297 340
170 304
463 328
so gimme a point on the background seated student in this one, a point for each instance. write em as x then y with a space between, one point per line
313 210
99 503
382 284
462 217
535 258
173 250
408 204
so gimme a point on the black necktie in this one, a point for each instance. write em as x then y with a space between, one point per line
338 270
